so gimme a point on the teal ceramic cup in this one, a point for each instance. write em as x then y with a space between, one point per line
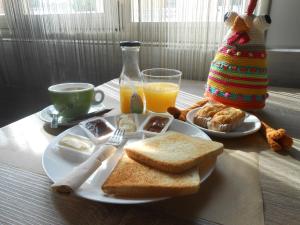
74 99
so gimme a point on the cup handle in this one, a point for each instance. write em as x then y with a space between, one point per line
96 102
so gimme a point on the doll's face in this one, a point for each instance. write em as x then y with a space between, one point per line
254 26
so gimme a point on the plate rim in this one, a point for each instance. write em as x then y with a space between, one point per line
122 201
214 133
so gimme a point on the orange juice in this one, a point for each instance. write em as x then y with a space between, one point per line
125 96
160 95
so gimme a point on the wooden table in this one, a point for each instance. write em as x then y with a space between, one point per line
25 197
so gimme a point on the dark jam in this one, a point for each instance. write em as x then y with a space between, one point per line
156 124
98 128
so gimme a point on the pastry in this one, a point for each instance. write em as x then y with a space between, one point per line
181 114
206 113
226 120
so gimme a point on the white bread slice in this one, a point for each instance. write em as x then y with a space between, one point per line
172 152
132 179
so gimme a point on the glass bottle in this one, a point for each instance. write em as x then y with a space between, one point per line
131 89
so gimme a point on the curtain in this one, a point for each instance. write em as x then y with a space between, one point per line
50 41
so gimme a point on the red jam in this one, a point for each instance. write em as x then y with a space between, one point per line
156 124
98 128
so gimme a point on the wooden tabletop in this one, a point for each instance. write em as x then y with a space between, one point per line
25 197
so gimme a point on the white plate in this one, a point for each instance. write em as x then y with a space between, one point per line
45 114
57 164
250 125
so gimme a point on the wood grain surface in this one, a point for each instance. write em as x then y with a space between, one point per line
25 196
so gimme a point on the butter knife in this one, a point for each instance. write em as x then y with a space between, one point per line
61 122
89 115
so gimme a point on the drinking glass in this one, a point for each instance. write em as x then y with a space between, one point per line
161 87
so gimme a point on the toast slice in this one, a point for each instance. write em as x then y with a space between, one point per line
172 152
132 179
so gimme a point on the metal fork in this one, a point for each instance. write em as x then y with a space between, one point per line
82 172
117 138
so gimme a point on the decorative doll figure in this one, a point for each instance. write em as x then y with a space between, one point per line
238 73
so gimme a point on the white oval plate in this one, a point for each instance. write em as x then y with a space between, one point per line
250 125
57 164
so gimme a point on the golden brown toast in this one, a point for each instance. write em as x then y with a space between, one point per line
132 179
172 152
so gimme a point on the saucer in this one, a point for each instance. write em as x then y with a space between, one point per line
45 115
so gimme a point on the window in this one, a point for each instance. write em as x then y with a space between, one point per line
65 19
129 17
3 22
71 16
188 22
163 11
42 7
179 11
1 9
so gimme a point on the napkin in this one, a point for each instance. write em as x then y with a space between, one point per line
277 139
82 172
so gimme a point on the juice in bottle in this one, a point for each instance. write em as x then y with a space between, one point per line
126 92
160 95
131 90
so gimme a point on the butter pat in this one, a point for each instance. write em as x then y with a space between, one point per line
76 143
127 123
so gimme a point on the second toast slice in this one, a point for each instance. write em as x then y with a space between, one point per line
133 179
172 152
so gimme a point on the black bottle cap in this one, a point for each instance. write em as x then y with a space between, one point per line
130 43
